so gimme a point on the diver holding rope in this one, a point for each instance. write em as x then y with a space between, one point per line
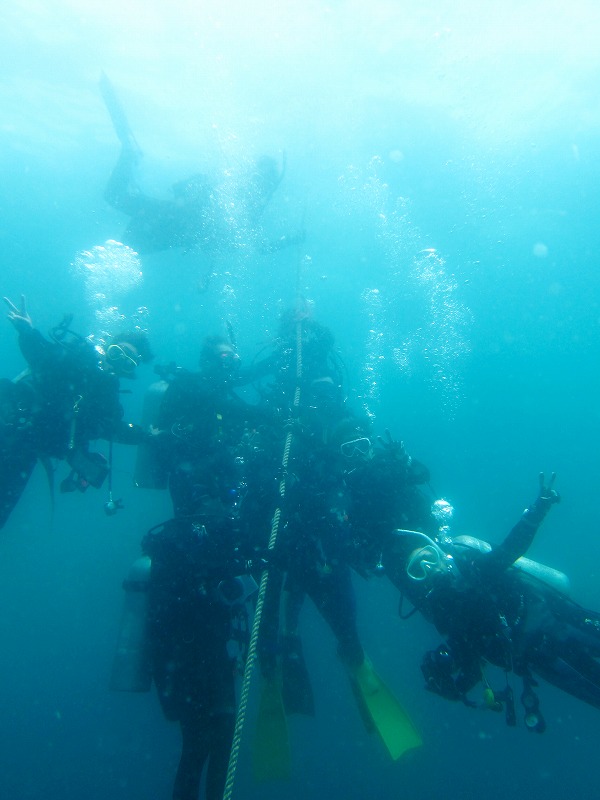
216 450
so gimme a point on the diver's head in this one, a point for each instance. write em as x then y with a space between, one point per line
126 351
424 562
218 358
297 329
352 436
357 450
288 323
424 559
314 334
325 396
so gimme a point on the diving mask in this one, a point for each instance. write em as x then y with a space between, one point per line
117 356
356 447
426 561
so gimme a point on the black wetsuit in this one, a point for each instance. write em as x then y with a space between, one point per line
313 547
488 610
18 453
189 628
314 541
384 493
65 401
197 218
156 224
215 454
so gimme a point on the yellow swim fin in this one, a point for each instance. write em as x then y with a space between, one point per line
272 759
390 720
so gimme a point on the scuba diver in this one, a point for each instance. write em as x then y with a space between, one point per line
274 376
215 449
383 484
493 605
67 398
200 217
196 607
311 553
202 424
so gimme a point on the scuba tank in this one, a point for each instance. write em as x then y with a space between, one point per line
548 575
149 473
552 577
132 668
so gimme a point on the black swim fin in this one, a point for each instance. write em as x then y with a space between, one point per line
17 455
117 115
297 691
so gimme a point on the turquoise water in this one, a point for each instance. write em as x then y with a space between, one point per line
444 164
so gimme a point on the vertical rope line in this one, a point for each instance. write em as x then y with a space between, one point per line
264 579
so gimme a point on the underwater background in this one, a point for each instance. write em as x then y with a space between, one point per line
444 162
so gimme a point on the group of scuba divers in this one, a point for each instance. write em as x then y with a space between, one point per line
275 499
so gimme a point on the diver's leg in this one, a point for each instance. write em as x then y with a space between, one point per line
221 690
333 595
293 600
195 748
17 452
584 624
222 726
297 691
569 666
16 466
195 715
268 639
121 192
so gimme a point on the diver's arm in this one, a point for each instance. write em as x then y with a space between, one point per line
521 536
257 370
37 351
19 317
